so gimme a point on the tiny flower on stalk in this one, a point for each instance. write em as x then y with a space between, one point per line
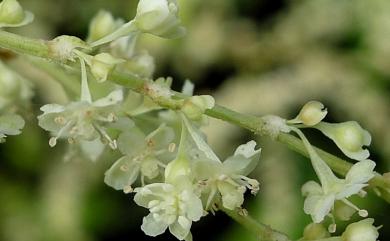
363 230
229 178
82 120
312 113
173 204
13 15
144 155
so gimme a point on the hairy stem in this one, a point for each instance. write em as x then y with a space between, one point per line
39 48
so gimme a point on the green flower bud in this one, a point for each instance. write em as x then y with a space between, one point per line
312 113
315 231
195 106
159 17
361 231
342 211
102 65
349 136
101 25
13 15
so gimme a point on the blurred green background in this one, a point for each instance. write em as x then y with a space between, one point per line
255 56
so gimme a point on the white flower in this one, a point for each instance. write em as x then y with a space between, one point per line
13 15
349 136
159 17
173 206
10 124
80 120
320 199
229 178
143 156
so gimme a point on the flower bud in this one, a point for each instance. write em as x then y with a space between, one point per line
13 15
342 211
159 17
102 65
312 113
315 231
101 25
349 136
361 231
195 106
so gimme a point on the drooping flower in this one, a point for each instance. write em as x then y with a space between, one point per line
13 15
81 120
143 155
349 136
320 199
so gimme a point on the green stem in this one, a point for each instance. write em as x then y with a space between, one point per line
262 231
39 48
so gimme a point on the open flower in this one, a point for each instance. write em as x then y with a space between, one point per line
82 120
229 178
349 136
320 199
174 206
13 15
143 156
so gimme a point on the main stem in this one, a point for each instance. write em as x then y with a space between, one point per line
39 48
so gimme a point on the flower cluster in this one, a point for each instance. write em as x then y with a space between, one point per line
350 138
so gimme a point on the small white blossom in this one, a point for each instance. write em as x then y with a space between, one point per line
142 156
81 120
174 206
320 199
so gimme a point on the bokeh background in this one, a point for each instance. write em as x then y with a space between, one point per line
254 56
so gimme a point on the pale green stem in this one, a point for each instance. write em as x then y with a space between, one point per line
85 93
39 48
124 30
262 231
323 171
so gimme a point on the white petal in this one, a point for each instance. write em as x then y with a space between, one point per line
151 227
311 188
194 208
318 206
361 172
180 229
111 99
122 173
